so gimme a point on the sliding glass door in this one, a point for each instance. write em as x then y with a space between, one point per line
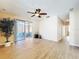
23 30
20 32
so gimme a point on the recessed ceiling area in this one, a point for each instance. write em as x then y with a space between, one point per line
52 7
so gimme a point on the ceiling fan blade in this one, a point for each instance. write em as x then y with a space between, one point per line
31 12
43 13
38 10
32 15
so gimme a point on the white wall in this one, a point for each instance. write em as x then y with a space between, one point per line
74 28
48 28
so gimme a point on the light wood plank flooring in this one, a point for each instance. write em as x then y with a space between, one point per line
39 49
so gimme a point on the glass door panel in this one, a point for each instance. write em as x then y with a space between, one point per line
20 32
28 29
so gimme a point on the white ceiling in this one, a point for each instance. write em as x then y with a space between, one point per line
52 7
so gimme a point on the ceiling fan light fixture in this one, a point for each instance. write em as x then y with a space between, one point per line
36 14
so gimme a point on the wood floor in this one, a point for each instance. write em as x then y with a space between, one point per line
39 49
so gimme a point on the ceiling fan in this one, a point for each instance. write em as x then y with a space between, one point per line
37 13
